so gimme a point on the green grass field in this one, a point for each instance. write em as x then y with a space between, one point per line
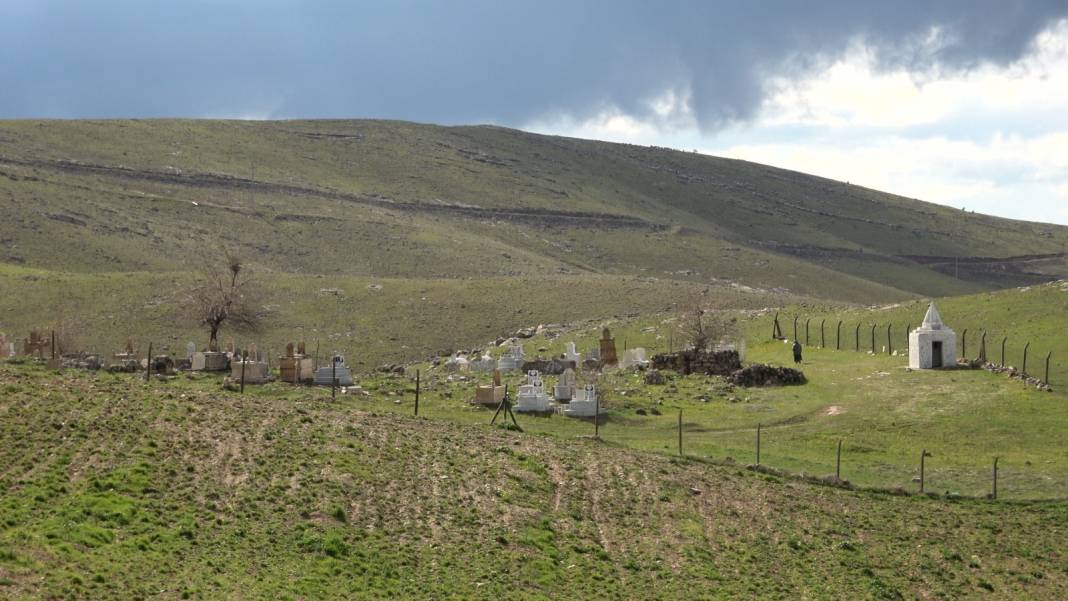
117 489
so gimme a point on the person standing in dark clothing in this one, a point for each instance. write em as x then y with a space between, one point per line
797 351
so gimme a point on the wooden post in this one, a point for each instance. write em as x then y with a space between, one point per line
923 474
838 337
838 462
243 361
148 363
1003 341
758 444
333 378
823 339
982 347
889 340
806 331
52 347
775 331
908 334
597 417
1047 367
795 328
417 383
316 353
858 338
964 344
1026 347
994 493
873 337
680 432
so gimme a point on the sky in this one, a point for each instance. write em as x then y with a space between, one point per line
957 102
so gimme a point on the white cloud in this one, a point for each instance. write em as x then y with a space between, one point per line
993 139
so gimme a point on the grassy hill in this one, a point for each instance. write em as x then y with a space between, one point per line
116 489
393 199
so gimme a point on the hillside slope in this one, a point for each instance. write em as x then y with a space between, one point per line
114 489
408 200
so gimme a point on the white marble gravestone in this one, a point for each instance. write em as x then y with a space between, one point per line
585 403
634 357
512 359
932 345
457 363
571 354
532 397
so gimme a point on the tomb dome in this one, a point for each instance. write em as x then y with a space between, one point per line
932 345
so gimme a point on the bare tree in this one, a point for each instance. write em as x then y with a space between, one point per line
703 328
222 296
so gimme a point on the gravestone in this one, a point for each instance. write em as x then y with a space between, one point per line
210 361
324 376
634 357
585 403
457 363
255 371
532 397
570 354
491 395
512 359
565 388
36 343
7 349
296 367
484 364
608 349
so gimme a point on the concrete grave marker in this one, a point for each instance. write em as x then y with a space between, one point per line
565 388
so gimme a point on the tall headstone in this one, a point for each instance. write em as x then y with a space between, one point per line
565 388
608 348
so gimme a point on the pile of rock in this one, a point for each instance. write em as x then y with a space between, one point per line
553 366
655 378
81 361
719 363
1012 372
766 375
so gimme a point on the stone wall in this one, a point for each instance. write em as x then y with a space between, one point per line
766 375
721 363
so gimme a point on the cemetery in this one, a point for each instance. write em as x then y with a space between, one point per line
568 377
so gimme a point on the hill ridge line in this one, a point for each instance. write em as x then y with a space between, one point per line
218 180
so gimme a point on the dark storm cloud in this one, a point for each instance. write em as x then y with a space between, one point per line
462 61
